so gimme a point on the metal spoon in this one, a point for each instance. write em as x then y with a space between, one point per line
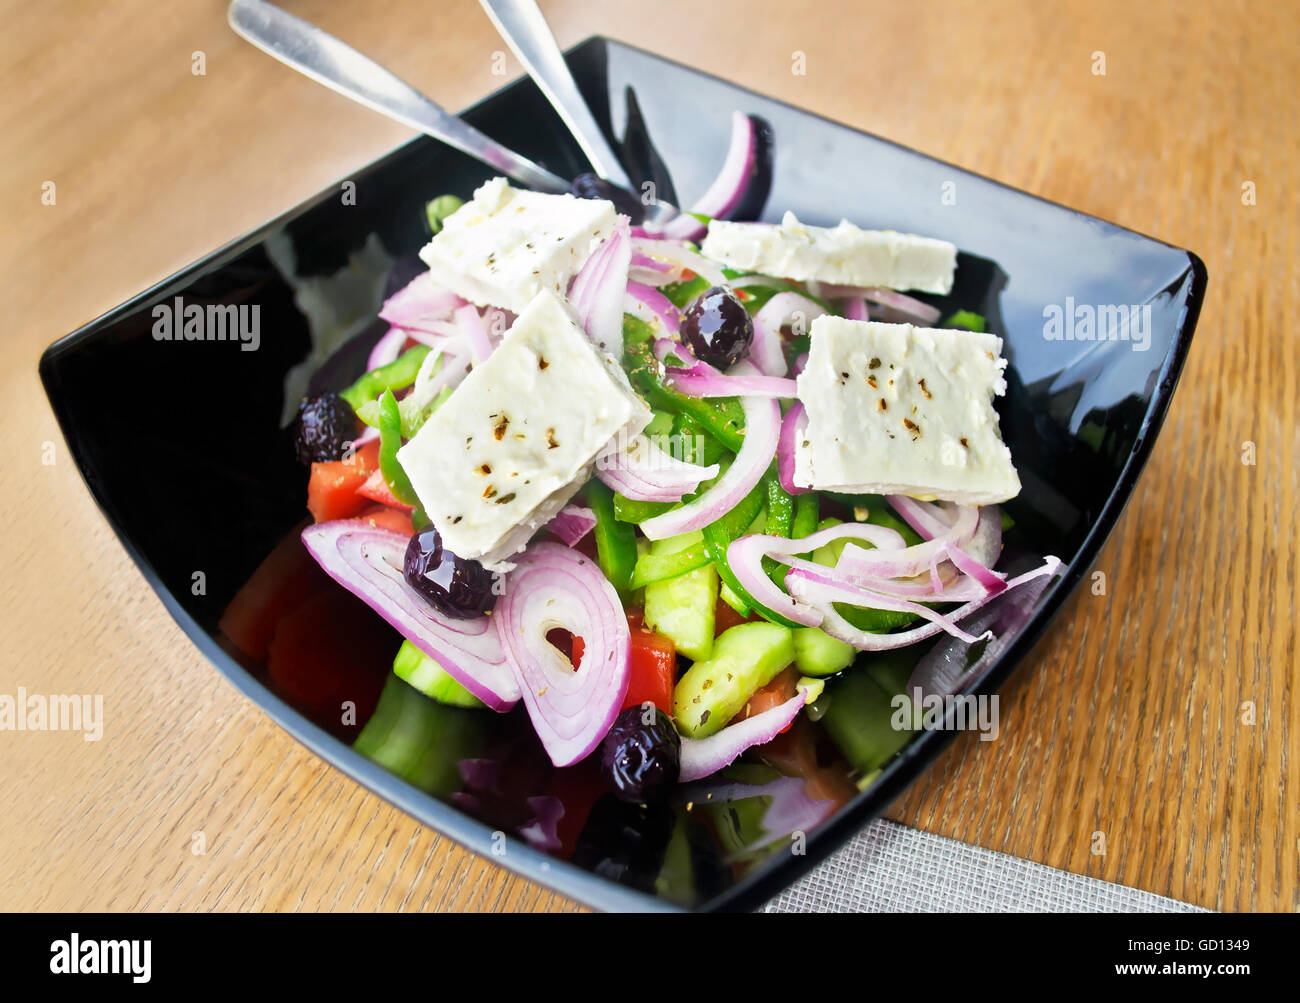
524 28
321 56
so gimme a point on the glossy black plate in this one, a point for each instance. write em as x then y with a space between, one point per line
177 443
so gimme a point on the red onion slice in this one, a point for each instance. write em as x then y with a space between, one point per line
701 380
677 253
762 429
855 308
418 303
922 517
745 556
386 349
922 313
469 322
572 523
766 351
644 472
367 561
651 306
823 596
598 290
702 757
792 429
728 187
553 586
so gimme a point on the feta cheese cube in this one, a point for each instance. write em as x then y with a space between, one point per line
506 245
897 409
844 254
517 438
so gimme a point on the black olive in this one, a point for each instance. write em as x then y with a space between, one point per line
641 761
717 328
592 186
326 425
625 842
457 586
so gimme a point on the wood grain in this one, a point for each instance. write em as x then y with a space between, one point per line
1126 722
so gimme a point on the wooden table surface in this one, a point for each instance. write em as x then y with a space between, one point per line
1162 714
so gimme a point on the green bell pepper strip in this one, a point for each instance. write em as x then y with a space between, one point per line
780 510
397 374
615 541
718 536
633 511
805 516
390 441
722 417
651 568
968 320
780 522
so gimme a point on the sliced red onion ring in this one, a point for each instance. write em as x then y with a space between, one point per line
386 349
553 586
923 313
762 429
679 254
728 188
651 306
367 561
922 517
855 308
745 557
819 586
572 523
368 434
598 290
469 322
702 757
792 429
800 364
428 383
860 564
989 580
766 351
418 303
702 380
823 596
644 472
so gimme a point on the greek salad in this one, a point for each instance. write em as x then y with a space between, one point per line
659 487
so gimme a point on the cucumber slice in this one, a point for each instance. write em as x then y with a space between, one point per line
418 670
818 654
419 739
860 719
713 690
684 607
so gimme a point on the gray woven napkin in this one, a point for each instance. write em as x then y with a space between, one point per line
891 868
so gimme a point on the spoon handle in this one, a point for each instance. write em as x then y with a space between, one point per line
322 57
521 24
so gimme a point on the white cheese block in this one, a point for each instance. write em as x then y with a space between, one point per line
518 437
506 245
897 409
844 254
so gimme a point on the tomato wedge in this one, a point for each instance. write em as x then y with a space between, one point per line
332 490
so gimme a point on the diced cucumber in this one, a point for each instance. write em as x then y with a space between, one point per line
860 719
669 558
818 654
420 740
417 669
713 690
683 607
734 601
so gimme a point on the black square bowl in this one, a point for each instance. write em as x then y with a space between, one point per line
221 486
